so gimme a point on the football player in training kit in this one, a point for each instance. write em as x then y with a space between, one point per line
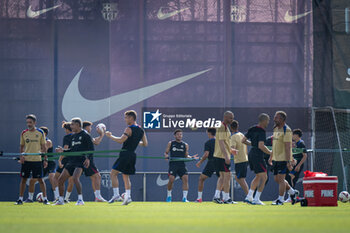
92 170
80 141
293 176
62 161
177 149
240 157
281 158
32 141
133 136
209 169
222 157
256 137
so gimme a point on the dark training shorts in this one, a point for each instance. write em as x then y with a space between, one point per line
34 168
241 170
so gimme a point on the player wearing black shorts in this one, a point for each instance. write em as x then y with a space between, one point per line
92 170
133 136
177 149
81 141
256 137
62 161
240 156
209 169
282 158
300 158
32 141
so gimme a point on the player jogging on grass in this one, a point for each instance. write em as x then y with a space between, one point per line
133 136
241 156
209 169
281 158
80 141
177 149
256 137
32 141
92 170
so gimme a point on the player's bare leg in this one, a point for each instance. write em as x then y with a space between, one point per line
201 180
69 189
127 185
170 187
31 190
76 177
226 186
243 183
96 186
61 180
115 186
22 188
219 188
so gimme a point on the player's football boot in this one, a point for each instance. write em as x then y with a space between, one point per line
199 200
292 198
28 201
46 202
80 202
217 201
168 199
115 198
126 201
229 201
248 200
184 199
100 199
258 202
59 203
277 202
19 202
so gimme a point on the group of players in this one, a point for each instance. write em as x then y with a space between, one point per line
223 142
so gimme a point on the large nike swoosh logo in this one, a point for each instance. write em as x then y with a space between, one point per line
290 18
74 104
33 14
161 182
163 16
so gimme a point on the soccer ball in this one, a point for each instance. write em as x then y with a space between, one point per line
344 196
39 197
123 196
101 127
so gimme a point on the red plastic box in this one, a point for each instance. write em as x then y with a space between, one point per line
321 191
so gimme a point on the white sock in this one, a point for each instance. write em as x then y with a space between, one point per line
128 193
67 195
116 192
291 191
80 197
257 196
185 193
169 193
217 194
98 193
44 198
226 196
30 196
200 195
20 198
55 192
60 198
250 193
281 198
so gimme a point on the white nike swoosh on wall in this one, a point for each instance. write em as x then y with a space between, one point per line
163 16
33 14
74 104
290 18
161 182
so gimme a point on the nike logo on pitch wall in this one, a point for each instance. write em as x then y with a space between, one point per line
290 18
163 16
33 14
161 182
74 104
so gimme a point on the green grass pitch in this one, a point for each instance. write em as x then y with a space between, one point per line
173 217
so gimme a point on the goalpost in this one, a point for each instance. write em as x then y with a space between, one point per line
330 143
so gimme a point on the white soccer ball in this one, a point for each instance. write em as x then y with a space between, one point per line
101 127
344 196
39 197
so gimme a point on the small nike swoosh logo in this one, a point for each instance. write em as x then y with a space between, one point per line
290 18
161 182
163 16
33 14
74 104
